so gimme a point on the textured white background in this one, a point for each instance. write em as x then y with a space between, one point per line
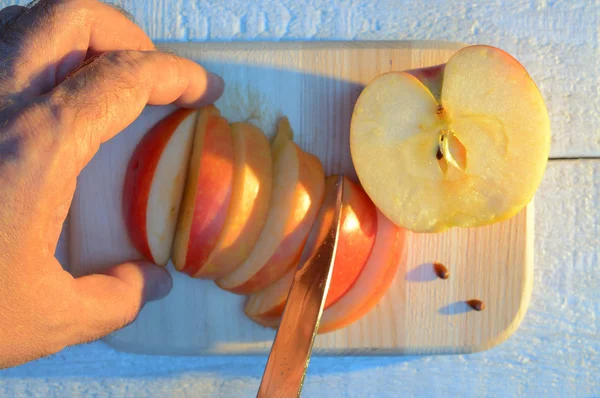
556 352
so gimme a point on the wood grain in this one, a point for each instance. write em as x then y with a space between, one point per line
315 85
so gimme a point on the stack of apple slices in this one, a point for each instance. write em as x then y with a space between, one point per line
368 255
226 205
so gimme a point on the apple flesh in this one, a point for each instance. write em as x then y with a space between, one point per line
298 189
207 193
462 144
358 228
250 199
154 184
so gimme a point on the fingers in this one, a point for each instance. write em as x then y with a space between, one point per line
54 36
10 13
103 98
113 299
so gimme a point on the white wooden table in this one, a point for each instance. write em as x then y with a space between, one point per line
556 351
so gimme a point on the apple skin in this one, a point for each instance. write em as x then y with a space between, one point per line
207 194
389 253
298 190
252 185
355 240
358 229
432 77
139 178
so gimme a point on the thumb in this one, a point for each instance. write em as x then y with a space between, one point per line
114 298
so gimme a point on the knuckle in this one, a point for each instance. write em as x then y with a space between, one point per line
129 67
177 66
57 13
128 59
64 7
50 9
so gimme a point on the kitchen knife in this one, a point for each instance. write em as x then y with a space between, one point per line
292 347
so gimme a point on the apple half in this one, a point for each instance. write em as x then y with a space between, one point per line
297 195
207 193
154 184
250 199
461 144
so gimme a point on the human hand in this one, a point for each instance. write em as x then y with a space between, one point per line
74 73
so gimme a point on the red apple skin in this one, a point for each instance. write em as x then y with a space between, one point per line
250 200
382 266
388 254
431 77
138 178
429 73
358 229
355 241
213 195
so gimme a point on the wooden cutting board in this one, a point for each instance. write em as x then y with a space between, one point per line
315 85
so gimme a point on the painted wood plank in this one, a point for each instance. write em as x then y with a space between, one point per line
557 41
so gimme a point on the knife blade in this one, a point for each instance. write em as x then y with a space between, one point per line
292 347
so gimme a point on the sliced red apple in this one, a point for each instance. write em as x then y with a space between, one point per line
389 250
355 243
374 281
250 199
207 192
355 240
154 184
298 188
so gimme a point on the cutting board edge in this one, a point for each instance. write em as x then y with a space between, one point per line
311 44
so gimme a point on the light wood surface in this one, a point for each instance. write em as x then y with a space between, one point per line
315 85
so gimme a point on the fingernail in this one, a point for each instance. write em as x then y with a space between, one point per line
158 282
216 84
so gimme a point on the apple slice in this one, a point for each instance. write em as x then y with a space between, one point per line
389 251
265 307
462 144
250 198
207 193
154 183
298 189
355 242
388 254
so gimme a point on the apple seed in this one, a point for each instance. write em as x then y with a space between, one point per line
441 271
477 305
